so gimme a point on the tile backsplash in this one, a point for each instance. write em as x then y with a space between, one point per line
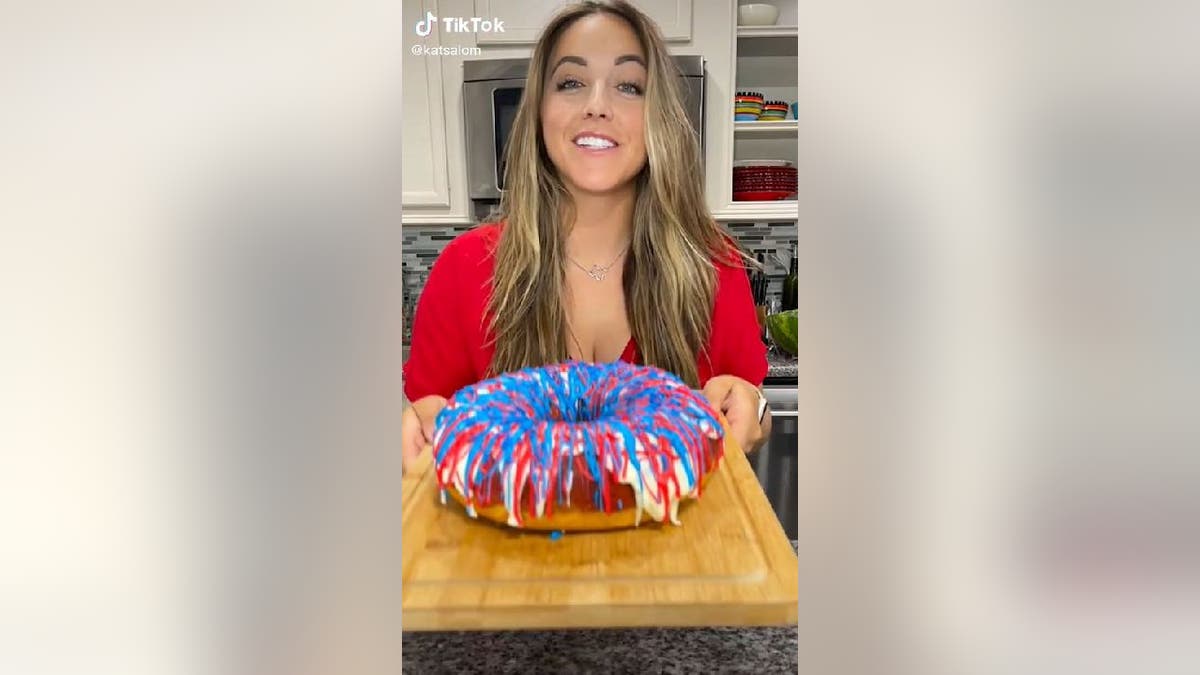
776 239
423 244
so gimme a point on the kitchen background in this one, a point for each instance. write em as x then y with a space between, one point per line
457 107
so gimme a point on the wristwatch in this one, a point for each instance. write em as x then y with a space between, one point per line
762 405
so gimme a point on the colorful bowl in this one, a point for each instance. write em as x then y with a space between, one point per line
747 106
775 110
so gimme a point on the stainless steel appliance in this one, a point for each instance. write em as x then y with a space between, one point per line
776 462
491 93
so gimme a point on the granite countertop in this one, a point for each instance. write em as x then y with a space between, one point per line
781 365
644 650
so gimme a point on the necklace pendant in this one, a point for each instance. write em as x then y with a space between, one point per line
598 273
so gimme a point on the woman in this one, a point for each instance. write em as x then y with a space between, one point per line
604 250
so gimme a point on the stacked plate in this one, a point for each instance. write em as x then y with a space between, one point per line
758 180
747 106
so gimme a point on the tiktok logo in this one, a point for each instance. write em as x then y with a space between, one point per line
424 28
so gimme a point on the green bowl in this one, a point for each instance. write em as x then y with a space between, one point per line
783 328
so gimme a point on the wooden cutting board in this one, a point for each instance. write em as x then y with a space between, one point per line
729 564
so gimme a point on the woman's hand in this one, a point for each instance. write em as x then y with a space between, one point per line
737 400
416 427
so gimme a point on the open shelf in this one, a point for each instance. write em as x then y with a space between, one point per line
786 209
765 61
767 31
767 129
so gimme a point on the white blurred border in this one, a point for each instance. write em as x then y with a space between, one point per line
199 222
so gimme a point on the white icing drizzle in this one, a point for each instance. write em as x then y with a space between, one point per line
647 495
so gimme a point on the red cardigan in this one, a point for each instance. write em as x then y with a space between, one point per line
450 337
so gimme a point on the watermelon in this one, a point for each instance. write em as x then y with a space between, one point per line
783 330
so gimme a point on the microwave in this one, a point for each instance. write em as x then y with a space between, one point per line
491 93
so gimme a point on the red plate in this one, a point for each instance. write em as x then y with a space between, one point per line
764 196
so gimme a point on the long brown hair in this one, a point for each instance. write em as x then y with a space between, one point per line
669 278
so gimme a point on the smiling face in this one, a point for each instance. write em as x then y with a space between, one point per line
593 105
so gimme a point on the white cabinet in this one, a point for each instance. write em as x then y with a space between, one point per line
425 178
524 19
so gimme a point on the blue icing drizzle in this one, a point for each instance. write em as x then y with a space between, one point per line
589 458
630 443
684 459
